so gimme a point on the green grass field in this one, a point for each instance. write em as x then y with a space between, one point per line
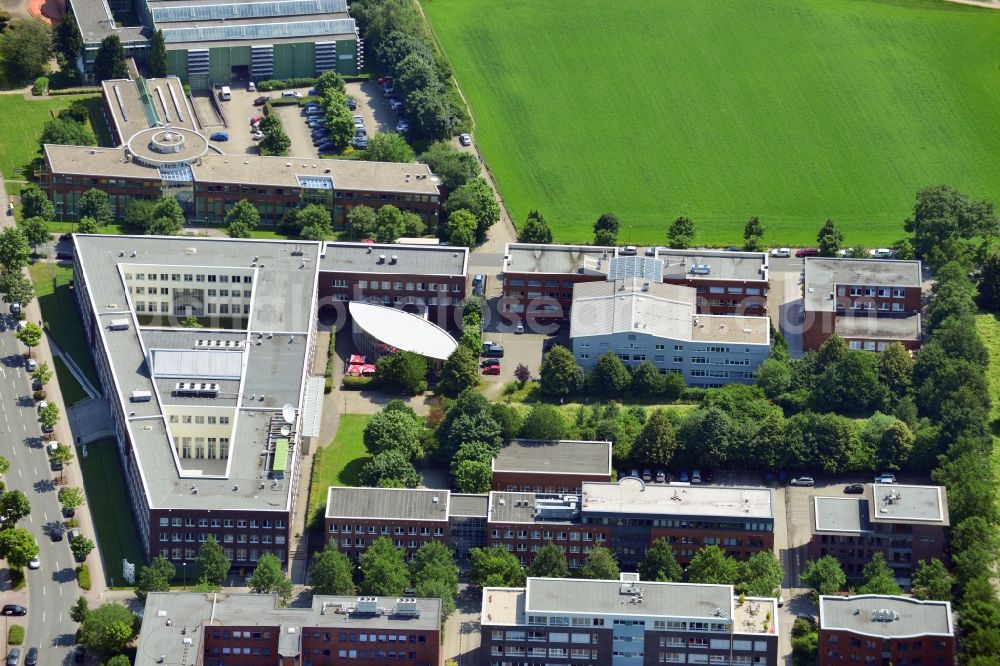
21 122
109 506
339 463
72 391
793 110
61 316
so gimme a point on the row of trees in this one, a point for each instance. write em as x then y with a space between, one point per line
387 224
471 210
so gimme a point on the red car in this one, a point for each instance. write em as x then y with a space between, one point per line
492 369
807 252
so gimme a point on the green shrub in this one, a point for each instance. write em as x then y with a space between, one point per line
281 84
83 577
76 91
41 86
693 394
330 358
15 635
357 383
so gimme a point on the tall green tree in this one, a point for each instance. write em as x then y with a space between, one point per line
829 239
753 235
535 229
316 222
79 610
549 562
610 375
267 578
331 572
434 574
394 430
167 218
478 198
71 498
606 230
389 469
68 40
600 564
88 225
109 628
361 221
26 49
14 506
495 566
338 118
330 80
462 228
455 168
711 565
559 373
17 546
761 575
15 251
402 371
660 565
657 441
154 578
459 372
877 577
472 476
383 569
64 131
109 63
388 223
29 336
388 147
945 223
545 422
63 453
213 565
35 203
16 287
931 580
680 234
156 62
242 219
35 230
824 576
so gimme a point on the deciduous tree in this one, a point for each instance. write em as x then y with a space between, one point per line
154 578
477 197
462 229
17 546
30 335
315 222
710 565
26 48
535 229
390 469
660 565
16 287
680 234
606 229
877 577
267 578
383 569
331 572
609 376
559 373
657 441
71 498
110 60
167 218
94 204
109 628
931 580
242 219
35 203
67 132
81 547
549 562
63 454
761 575
646 380
14 506
35 231
472 476
15 251
361 221
394 430
824 575
88 225
213 565
600 564
434 574
455 168
495 566
544 421
388 147
753 235
829 239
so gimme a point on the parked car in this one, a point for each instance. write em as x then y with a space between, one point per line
519 329
13 609
882 253
31 364
783 252
388 91
629 251
261 101
351 103
489 361
465 139
492 370
360 142
42 404
492 349
661 476
291 93
251 87
634 474
683 477
256 136
64 255
31 658
478 284
806 252
65 238
804 481
402 126
696 476
311 92
396 105
651 251
359 121
647 475
14 656
854 488
326 147
885 477
219 136
34 563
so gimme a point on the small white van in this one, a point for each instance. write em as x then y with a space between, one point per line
225 94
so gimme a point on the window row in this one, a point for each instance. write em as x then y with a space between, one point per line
222 522
190 277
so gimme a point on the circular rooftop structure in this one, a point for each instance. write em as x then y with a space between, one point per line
401 330
167 146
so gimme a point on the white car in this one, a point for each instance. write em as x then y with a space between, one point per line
42 405
35 563
256 136
882 253
251 87
465 139
291 93
783 252
885 478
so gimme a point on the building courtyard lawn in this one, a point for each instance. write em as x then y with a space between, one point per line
72 391
338 464
61 315
107 500
793 110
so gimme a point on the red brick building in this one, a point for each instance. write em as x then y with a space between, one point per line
253 630
883 630
905 523
871 303
727 283
545 466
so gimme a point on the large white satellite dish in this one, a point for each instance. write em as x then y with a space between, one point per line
288 412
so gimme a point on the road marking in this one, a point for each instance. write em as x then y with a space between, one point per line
43 594
18 471
57 566
43 614
35 470
60 592
46 516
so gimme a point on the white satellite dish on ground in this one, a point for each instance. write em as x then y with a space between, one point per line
288 412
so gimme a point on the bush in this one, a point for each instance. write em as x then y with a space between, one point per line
15 635
281 84
38 395
41 86
83 577
693 394
356 383
330 358
76 91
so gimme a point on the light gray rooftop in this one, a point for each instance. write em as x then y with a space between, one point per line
898 503
632 496
841 514
823 274
534 456
557 259
391 503
511 507
95 20
717 264
469 505
165 104
873 327
191 614
579 596
273 361
885 616
377 258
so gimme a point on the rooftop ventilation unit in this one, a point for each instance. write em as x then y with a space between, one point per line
141 396
367 606
406 606
196 389
884 615
394 258
700 269
118 325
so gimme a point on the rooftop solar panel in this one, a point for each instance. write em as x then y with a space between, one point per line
246 10
222 33
645 268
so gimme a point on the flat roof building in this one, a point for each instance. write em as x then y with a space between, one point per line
624 622
549 466
355 517
643 321
873 628
212 443
871 303
906 523
181 628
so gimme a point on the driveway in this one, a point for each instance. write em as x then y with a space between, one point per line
297 130
238 111
372 106
461 631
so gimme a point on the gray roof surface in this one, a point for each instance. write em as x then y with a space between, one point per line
535 456
393 503
841 514
555 259
95 21
321 28
898 503
823 274
579 596
469 505
197 363
510 507
632 496
283 300
722 265
128 114
872 326
412 259
190 613
865 614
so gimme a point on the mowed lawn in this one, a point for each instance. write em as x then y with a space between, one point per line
21 123
339 463
988 327
793 110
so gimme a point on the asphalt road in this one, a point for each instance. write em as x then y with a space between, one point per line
52 589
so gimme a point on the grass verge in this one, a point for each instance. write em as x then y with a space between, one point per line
338 464
723 110
59 311
72 391
988 327
103 479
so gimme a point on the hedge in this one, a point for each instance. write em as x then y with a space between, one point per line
280 84
83 577
357 383
75 91
330 357
41 86
15 635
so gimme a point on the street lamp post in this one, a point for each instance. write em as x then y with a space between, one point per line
184 569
